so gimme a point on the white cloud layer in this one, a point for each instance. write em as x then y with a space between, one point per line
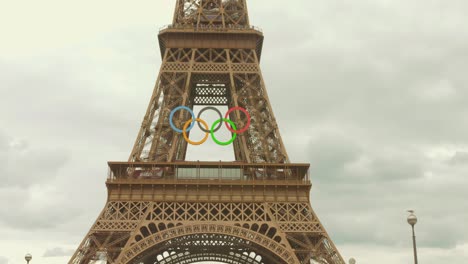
376 101
58 252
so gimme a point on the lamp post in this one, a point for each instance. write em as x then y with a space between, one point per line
412 220
352 261
28 257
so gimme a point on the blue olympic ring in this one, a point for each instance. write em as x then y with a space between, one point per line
172 115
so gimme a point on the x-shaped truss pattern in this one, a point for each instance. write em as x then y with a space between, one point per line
211 13
137 226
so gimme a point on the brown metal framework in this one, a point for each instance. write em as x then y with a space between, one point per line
163 209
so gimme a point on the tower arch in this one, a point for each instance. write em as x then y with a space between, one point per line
207 242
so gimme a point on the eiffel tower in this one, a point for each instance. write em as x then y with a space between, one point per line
166 210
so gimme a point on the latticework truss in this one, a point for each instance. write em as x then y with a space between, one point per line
211 13
191 77
162 209
143 232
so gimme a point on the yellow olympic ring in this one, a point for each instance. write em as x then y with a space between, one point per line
184 132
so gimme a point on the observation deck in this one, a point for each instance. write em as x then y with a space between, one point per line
211 36
208 181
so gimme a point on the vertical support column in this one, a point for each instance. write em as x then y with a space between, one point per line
144 133
178 6
173 81
179 147
270 110
241 150
246 12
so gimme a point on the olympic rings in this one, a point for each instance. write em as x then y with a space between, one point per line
248 120
172 115
185 132
229 124
216 140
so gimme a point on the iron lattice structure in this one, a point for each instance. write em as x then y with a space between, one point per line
163 209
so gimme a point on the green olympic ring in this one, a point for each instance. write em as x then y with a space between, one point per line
234 135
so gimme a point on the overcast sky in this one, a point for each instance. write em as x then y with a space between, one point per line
371 92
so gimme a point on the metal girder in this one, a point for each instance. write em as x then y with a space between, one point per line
211 56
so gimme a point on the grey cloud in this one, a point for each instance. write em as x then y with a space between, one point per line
4 140
58 252
363 191
24 166
26 199
67 106
35 209
330 154
358 78
396 167
63 93
460 158
339 158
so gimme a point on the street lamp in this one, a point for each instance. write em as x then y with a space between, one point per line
412 220
352 261
28 257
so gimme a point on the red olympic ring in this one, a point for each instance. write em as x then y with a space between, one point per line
240 131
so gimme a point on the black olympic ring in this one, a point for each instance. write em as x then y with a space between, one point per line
217 111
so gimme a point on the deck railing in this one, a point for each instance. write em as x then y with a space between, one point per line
221 171
207 27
